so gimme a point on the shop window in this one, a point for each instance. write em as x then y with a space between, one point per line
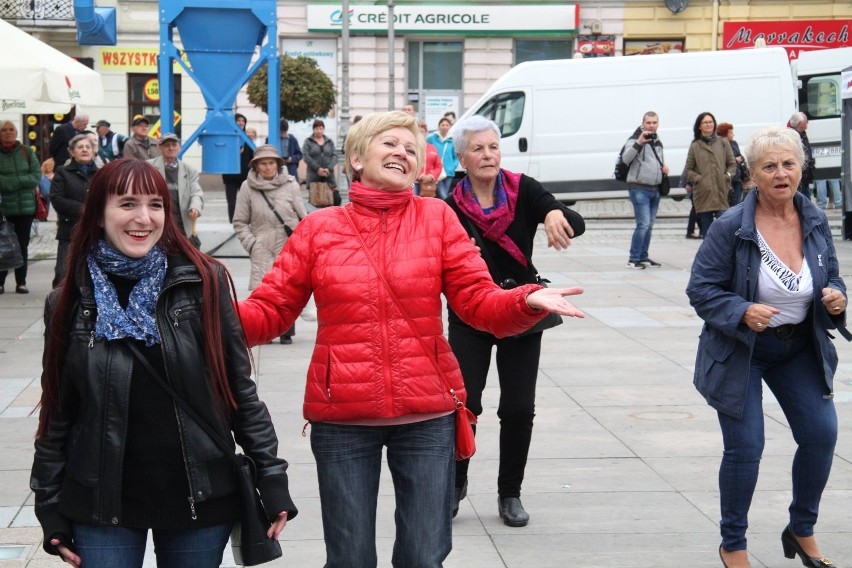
507 110
819 96
435 65
542 50
144 99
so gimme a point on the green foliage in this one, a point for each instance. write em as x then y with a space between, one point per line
306 91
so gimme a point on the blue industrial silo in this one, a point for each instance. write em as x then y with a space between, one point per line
219 39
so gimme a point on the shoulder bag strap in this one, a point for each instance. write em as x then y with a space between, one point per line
398 304
655 154
287 228
219 441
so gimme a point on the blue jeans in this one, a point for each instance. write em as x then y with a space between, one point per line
822 188
645 205
421 458
102 546
444 186
794 374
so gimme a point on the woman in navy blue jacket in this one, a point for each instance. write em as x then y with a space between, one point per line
766 283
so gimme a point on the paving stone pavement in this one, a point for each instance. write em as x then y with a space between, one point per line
623 464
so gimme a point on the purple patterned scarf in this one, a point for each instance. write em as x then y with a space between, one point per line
494 223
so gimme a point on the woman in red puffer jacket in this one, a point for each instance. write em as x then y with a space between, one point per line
371 382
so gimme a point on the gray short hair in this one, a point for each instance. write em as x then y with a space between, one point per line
773 138
80 138
466 127
797 119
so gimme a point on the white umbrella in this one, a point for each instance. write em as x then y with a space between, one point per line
40 79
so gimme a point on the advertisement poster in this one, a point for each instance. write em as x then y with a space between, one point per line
596 46
434 107
652 46
324 52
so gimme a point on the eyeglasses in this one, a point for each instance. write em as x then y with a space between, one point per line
707 122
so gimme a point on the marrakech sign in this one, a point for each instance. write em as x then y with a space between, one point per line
793 35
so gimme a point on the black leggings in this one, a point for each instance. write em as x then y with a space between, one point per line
517 371
23 225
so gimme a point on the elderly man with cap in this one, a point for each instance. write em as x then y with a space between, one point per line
110 144
63 134
182 179
140 146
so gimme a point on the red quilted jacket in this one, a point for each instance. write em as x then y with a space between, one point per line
367 362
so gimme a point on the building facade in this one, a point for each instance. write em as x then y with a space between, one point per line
443 57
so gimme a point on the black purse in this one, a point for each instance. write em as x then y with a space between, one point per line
10 249
287 228
550 320
249 542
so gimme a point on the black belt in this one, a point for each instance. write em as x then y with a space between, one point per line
788 330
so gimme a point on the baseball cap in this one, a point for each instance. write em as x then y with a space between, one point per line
167 137
102 123
139 119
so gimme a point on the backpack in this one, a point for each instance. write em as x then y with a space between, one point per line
622 167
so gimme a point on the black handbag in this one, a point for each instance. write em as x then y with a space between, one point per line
249 542
10 248
550 320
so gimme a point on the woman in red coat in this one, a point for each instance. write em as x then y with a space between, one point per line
371 384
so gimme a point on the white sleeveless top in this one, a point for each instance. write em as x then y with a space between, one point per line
781 288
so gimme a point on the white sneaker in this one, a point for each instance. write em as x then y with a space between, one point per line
309 315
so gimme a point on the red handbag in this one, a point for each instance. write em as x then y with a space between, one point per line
41 207
465 419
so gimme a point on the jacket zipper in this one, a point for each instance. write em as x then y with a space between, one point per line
384 317
191 497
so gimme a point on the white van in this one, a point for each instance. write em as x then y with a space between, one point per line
563 122
818 80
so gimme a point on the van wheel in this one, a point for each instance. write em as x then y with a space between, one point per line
679 197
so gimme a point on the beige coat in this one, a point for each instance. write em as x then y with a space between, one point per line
258 229
710 167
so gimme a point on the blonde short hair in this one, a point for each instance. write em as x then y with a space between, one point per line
772 138
360 135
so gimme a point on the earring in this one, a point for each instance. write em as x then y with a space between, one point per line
359 168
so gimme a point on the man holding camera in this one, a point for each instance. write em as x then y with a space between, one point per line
644 152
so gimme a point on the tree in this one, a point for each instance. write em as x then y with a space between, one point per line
306 91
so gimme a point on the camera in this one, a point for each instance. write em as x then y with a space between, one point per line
651 136
509 283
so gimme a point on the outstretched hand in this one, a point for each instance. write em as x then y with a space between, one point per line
553 300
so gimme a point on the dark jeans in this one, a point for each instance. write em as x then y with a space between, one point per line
705 219
693 219
109 547
231 191
23 225
421 458
61 261
794 374
517 371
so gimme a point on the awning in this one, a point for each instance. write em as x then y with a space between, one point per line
40 79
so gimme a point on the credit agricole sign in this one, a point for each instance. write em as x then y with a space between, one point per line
466 19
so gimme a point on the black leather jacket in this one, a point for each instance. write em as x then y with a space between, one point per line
83 452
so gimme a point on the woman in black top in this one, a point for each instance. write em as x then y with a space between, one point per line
502 210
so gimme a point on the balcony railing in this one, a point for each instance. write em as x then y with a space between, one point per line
37 10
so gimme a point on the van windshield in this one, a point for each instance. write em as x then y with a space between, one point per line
507 110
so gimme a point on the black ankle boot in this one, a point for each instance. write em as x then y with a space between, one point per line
461 493
512 512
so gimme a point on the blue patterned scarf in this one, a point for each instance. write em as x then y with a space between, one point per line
138 320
